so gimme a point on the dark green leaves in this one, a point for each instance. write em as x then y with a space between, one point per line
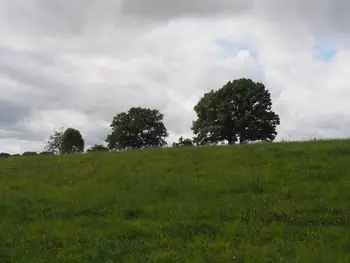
183 142
98 148
240 110
72 141
137 128
54 143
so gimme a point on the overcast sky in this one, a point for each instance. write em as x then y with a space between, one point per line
77 63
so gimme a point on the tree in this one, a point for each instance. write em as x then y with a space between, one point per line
4 155
240 110
54 144
137 128
183 142
30 154
72 141
98 148
46 153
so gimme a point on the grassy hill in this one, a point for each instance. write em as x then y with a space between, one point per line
286 202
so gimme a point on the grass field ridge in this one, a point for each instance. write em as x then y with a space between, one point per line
279 202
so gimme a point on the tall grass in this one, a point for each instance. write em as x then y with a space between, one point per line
243 203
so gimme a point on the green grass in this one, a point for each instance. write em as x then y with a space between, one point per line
286 202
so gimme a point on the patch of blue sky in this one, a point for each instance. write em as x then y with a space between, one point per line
324 51
231 48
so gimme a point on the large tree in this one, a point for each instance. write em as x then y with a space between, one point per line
54 144
72 141
137 128
239 111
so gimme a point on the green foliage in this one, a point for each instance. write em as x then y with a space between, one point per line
240 110
46 153
54 144
98 148
30 154
4 155
183 142
137 128
243 203
72 141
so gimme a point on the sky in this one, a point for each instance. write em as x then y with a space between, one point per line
78 63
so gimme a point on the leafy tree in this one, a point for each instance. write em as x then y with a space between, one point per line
46 153
98 148
54 144
4 155
240 110
137 128
183 142
72 141
30 154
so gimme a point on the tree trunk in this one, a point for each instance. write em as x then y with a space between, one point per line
241 139
230 139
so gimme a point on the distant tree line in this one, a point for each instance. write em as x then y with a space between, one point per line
6 155
240 111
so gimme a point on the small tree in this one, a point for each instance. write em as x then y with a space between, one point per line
4 155
30 154
137 128
72 141
54 144
98 148
46 153
240 110
183 142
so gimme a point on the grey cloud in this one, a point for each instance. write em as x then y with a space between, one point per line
178 124
53 16
331 125
9 55
154 9
11 112
64 18
22 134
43 85
322 16
66 41
96 136
113 99
56 18
334 122
30 68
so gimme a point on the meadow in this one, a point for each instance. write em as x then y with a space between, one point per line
280 202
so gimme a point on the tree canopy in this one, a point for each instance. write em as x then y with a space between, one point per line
98 148
72 141
54 144
137 128
240 111
183 142
30 154
4 155
46 153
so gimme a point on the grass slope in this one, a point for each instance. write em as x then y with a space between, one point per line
286 202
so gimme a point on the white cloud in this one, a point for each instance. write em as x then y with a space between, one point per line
78 64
